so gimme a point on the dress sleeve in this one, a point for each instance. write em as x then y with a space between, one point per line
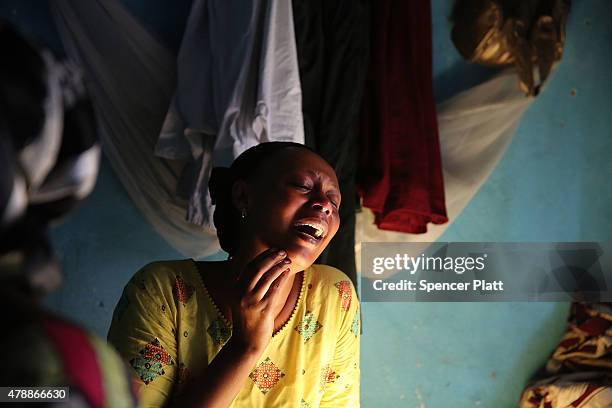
143 331
341 379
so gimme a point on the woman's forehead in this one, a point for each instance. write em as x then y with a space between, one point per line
305 161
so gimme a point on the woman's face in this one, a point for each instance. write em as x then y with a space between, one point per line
293 203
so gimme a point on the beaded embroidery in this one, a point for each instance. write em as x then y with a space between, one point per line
266 375
308 326
328 376
219 332
149 365
355 324
344 290
182 291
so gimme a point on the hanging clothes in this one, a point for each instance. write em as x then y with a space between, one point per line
237 86
529 34
476 127
130 77
400 171
332 43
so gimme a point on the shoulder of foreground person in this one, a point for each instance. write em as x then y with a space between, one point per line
160 276
144 325
336 295
326 274
332 283
157 289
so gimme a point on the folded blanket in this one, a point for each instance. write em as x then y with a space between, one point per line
579 372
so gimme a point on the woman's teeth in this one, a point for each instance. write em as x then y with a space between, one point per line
311 229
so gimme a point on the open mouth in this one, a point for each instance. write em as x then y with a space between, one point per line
311 231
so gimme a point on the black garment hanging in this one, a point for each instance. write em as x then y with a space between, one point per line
332 43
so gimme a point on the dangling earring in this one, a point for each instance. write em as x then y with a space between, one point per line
243 213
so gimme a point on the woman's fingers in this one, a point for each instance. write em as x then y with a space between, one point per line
259 266
274 288
260 280
281 264
269 278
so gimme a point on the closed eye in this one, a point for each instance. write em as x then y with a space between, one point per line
334 201
302 187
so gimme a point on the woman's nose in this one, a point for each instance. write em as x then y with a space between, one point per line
322 207
322 203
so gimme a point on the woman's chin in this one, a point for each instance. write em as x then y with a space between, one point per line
303 253
301 258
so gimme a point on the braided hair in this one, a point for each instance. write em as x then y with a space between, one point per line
226 216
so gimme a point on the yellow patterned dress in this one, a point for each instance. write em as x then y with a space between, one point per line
166 326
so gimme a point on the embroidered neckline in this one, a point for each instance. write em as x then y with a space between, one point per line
227 322
208 295
297 304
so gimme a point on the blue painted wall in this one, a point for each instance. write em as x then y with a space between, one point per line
554 184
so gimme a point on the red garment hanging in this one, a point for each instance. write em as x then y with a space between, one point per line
400 168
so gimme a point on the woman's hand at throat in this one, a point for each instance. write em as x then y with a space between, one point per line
257 287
